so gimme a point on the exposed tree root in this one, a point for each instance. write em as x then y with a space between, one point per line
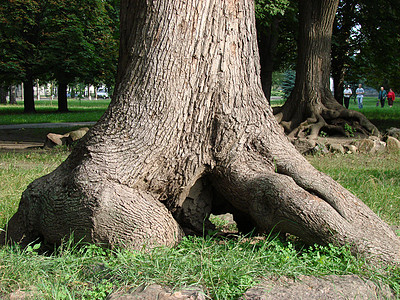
330 118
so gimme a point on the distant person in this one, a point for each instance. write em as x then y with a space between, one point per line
391 96
347 94
360 95
382 97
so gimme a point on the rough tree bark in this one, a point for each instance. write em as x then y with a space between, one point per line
189 132
311 107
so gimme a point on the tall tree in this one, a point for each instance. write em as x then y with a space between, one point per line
20 40
378 60
270 14
344 46
311 107
189 132
79 43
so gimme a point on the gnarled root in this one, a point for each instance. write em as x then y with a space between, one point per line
298 199
101 211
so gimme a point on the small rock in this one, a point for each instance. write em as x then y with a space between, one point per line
394 132
336 148
304 146
351 148
156 291
78 134
331 287
392 145
53 139
365 145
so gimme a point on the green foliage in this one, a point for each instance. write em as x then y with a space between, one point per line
288 83
62 40
267 8
348 129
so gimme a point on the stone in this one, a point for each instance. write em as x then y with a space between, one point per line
371 145
155 291
336 148
78 134
394 132
53 139
331 287
351 148
304 146
392 145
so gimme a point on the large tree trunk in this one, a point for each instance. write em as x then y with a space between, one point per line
311 107
29 100
189 132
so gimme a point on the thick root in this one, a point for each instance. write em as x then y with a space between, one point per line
300 200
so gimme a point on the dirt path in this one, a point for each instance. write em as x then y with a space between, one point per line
27 136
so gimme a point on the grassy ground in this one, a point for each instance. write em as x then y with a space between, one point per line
224 267
46 112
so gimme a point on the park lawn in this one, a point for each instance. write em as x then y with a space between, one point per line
46 112
224 267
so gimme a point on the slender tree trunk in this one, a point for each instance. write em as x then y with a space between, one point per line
268 40
3 95
311 107
13 94
338 82
62 97
189 132
29 100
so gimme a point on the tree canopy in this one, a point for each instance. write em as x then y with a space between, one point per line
61 40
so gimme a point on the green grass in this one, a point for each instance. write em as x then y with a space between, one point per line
17 170
225 268
374 178
46 112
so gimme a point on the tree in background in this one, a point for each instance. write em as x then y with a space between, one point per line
344 44
188 133
21 37
64 40
311 106
79 43
275 21
378 60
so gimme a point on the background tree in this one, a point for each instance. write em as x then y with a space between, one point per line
20 41
79 43
311 106
189 132
378 60
344 45
275 21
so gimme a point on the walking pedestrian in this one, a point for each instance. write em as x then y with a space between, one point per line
347 94
382 97
391 96
360 95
